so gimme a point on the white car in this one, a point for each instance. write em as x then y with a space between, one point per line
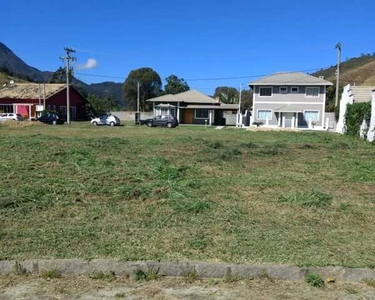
10 116
106 120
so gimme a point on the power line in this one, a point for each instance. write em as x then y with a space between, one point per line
212 78
248 76
96 75
234 77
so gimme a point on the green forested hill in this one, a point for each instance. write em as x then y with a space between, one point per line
14 68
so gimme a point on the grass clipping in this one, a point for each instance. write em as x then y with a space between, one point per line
313 198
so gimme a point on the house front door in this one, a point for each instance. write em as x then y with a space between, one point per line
288 119
188 116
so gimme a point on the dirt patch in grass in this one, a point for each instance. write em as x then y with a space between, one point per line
13 287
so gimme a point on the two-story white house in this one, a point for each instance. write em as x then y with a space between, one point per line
294 100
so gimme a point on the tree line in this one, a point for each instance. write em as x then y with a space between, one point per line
150 86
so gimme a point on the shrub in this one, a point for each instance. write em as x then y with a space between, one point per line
314 280
354 116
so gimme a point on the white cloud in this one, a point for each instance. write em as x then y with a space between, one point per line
90 64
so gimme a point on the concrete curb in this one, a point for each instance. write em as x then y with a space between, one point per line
180 269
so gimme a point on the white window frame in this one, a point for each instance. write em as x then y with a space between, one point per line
312 87
266 87
294 87
311 110
269 110
165 111
204 118
283 92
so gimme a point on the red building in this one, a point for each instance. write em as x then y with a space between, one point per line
28 99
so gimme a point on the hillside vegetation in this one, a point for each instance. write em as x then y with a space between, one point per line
357 70
5 78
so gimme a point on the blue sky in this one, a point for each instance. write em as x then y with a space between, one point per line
192 39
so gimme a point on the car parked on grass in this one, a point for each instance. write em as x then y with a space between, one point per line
161 121
10 116
51 118
106 119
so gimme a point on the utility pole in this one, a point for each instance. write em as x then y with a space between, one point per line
138 117
239 117
138 97
338 47
67 60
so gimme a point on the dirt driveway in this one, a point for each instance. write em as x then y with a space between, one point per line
32 287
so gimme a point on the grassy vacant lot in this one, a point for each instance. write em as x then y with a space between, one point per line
138 193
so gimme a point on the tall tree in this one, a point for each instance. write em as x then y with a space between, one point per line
331 97
175 85
59 76
246 100
150 87
226 94
102 105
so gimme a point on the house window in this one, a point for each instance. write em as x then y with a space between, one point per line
54 107
264 114
165 111
294 90
201 113
312 92
283 90
48 107
265 92
63 109
311 114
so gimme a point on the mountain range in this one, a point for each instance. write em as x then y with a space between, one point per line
13 67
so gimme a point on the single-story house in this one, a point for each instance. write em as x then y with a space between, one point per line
28 99
295 100
193 107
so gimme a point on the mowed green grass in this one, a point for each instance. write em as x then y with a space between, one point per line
138 193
